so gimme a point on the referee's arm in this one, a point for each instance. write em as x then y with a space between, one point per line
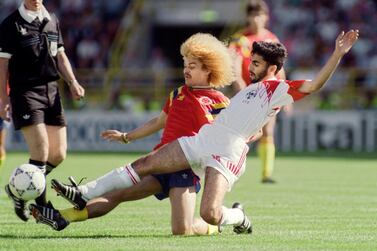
66 71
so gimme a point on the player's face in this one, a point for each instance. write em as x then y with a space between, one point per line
33 5
194 72
257 20
258 68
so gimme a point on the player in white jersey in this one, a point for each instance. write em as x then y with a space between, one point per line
219 150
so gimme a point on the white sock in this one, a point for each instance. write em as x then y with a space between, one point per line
232 216
121 177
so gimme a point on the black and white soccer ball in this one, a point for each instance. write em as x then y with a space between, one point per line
27 182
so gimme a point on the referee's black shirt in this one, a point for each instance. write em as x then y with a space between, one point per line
33 48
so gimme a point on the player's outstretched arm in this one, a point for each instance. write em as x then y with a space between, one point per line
343 44
150 127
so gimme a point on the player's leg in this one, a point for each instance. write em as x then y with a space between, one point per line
36 137
59 219
56 129
100 206
212 209
57 147
182 201
167 159
2 142
266 151
57 138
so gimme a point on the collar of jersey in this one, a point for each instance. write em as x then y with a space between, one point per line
29 15
201 87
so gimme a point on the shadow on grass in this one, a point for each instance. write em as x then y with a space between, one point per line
94 236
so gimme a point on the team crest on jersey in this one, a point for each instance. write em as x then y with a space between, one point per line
181 97
251 94
21 29
205 101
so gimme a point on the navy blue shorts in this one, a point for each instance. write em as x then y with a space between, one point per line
185 178
1 124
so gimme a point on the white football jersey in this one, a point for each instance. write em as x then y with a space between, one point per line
222 144
252 107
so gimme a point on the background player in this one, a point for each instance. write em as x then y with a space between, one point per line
207 65
219 149
257 13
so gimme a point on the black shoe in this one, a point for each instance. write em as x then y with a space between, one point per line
70 193
48 216
268 181
245 227
19 205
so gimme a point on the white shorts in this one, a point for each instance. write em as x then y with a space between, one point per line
216 148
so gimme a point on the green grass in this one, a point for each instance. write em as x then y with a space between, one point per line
319 203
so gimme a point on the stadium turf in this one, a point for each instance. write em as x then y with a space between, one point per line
319 203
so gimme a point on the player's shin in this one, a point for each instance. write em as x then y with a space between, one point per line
121 177
41 200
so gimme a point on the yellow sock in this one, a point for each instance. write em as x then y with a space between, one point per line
212 229
73 215
2 160
266 152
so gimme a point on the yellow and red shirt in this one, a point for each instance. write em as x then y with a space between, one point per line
188 109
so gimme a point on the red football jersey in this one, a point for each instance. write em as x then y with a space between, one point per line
188 109
242 42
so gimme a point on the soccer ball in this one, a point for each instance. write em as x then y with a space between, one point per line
27 182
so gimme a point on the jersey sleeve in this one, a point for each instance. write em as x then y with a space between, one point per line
167 105
6 44
60 40
293 91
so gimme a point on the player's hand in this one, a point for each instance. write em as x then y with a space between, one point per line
77 91
112 135
345 41
5 110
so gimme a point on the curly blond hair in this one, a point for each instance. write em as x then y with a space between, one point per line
214 56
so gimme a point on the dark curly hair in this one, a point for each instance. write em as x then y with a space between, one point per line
273 53
256 6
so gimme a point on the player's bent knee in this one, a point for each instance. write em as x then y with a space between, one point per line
57 158
211 215
142 166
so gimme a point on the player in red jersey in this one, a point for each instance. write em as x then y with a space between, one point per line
207 65
242 42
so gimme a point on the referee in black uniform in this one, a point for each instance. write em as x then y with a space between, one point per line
32 57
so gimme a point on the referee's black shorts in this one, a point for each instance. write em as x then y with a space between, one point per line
39 104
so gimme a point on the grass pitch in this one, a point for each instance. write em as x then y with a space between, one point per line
319 203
